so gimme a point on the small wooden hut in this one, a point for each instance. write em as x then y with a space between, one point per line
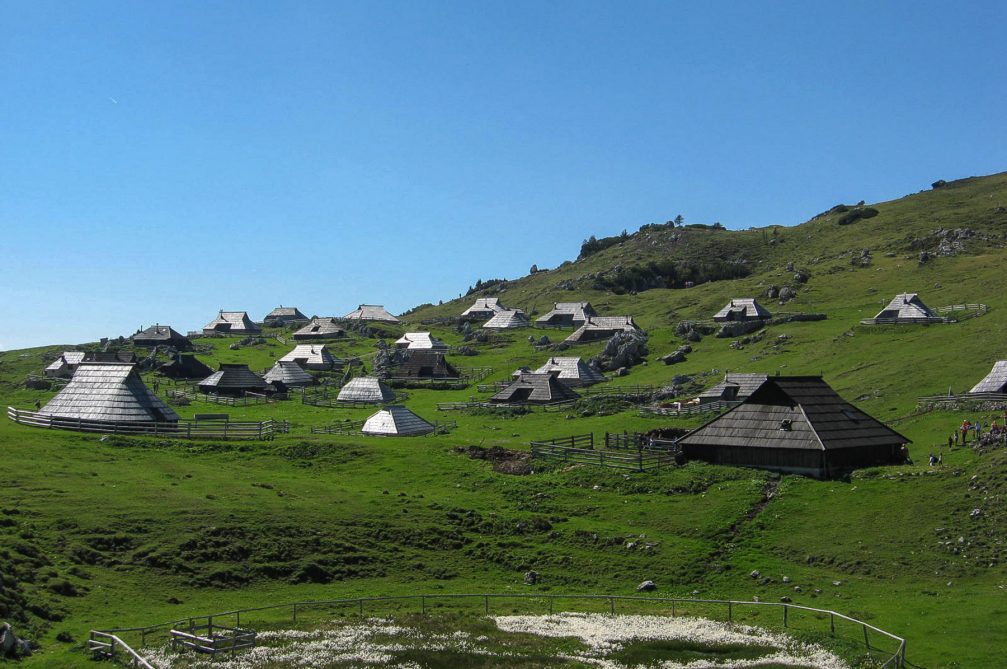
396 421
907 308
995 381
366 390
484 308
421 341
122 355
185 366
572 371
108 392
597 328
282 315
231 323
796 424
161 335
534 388
320 329
734 388
288 374
371 312
316 357
232 379
742 309
507 320
566 314
426 365
65 365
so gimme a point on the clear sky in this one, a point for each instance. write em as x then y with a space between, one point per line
162 160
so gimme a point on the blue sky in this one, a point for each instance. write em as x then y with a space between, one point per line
160 161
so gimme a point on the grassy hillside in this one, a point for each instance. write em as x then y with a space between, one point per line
105 531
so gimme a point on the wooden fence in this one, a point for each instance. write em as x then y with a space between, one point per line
353 427
212 639
331 400
631 441
680 409
951 315
574 441
105 646
794 616
247 399
495 406
579 449
964 398
183 429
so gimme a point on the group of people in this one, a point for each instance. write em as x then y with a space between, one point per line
969 432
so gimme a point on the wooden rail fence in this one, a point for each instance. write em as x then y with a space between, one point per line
245 400
680 409
964 398
183 429
791 615
213 639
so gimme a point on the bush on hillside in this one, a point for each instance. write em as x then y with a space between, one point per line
855 215
669 274
593 245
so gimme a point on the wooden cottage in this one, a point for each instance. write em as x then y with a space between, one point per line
421 341
185 366
484 308
907 308
231 322
508 319
795 424
161 335
426 365
288 374
108 392
994 382
366 390
65 365
734 388
320 329
533 388
597 328
396 421
573 372
567 314
282 315
232 379
742 309
312 356
371 312
121 355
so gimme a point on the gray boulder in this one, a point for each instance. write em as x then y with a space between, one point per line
646 586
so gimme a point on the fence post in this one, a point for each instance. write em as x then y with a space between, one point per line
486 604
640 455
295 613
832 623
866 640
360 605
785 610
730 612
551 600
672 608
611 605
423 604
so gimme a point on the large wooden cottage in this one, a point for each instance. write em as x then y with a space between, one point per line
282 315
426 364
420 341
734 388
316 357
796 424
161 335
567 314
742 309
232 379
507 320
396 421
907 308
288 374
994 382
320 329
571 371
185 366
371 312
65 365
366 390
533 388
231 323
484 308
597 328
108 392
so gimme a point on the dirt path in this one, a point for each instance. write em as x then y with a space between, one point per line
715 561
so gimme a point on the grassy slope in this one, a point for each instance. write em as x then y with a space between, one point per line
132 524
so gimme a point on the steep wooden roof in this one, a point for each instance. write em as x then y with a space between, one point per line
396 421
66 359
160 334
232 377
572 371
288 374
596 327
743 308
312 356
579 311
320 328
420 341
366 389
509 318
285 314
995 381
484 305
185 366
794 412
426 364
534 388
236 322
111 392
371 312
907 306
742 385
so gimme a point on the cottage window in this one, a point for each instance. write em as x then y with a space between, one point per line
785 425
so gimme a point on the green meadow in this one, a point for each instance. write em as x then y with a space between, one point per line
109 531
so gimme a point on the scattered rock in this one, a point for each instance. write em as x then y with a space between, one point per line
785 599
646 586
786 579
755 573
531 577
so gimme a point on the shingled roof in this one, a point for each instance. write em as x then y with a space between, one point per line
112 392
734 387
282 314
366 389
601 327
65 364
396 421
312 356
371 312
288 374
484 307
161 335
424 364
231 322
742 309
185 366
320 328
232 379
534 388
567 313
794 412
507 319
420 341
995 381
907 307
573 372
